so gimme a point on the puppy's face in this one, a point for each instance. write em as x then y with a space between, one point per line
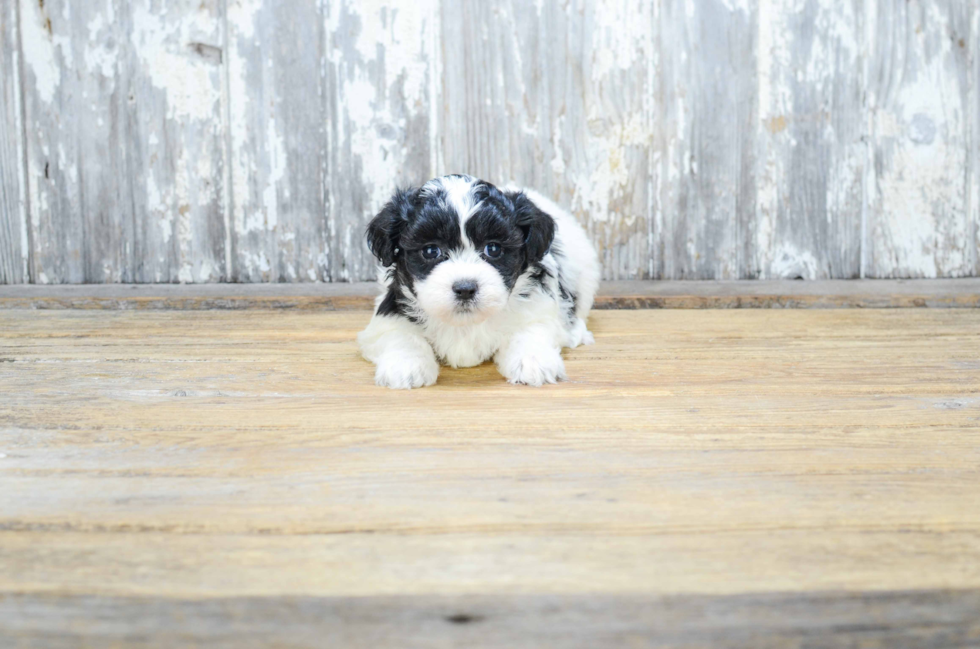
458 245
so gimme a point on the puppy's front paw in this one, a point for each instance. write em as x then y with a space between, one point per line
533 367
402 372
580 335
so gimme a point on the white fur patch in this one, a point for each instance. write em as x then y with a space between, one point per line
403 356
459 195
531 357
436 300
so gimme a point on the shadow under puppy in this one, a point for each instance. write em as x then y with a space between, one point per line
471 272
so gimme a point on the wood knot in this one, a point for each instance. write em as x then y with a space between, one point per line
463 618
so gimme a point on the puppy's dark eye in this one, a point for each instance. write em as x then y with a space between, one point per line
431 252
493 250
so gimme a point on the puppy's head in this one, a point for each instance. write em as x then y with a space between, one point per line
458 245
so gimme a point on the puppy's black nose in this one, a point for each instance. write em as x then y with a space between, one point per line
465 289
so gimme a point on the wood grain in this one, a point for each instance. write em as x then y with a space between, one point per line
733 466
919 100
557 96
811 125
278 120
382 76
125 140
250 141
52 146
974 101
174 125
901 620
708 110
823 294
14 244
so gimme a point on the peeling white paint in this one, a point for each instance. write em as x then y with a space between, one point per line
207 192
373 119
432 37
921 222
802 90
182 202
558 161
609 175
171 65
242 16
394 28
789 262
24 184
384 61
974 101
101 49
206 271
159 207
620 37
744 6
260 261
763 54
38 199
39 50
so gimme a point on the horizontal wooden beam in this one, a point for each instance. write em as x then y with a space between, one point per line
885 619
936 293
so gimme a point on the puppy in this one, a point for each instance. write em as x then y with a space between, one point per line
471 272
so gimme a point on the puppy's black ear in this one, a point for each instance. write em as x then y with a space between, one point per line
538 227
384 229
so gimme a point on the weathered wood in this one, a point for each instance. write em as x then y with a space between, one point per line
176 133
278 119
888 620
250 140
59 122
974 141
801 467
382 75
825 294
14 242
918 221
125 140
557 96
707 109
810 174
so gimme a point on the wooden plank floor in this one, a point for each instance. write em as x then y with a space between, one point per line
739 478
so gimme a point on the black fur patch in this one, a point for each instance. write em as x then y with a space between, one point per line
494 221
385 230
417 218
390 305
538 227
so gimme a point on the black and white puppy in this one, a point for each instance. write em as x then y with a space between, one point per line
471 272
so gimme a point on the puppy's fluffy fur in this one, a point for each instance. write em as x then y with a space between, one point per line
470 272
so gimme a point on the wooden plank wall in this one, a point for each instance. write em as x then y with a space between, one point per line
251 140
14 246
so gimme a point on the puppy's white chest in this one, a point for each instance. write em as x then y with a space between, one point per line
464 346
